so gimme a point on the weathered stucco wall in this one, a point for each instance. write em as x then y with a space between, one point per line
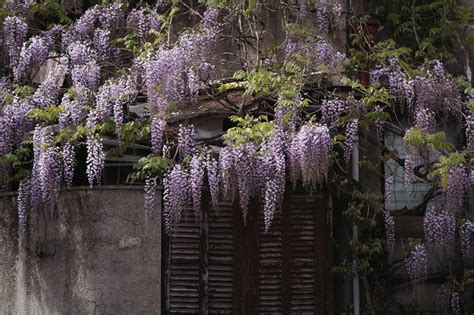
93 255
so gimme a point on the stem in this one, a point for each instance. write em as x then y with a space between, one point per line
413 24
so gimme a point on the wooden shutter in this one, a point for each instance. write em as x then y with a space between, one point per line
292 258
270 266
306 241
220 259
183 269
200 263
221 266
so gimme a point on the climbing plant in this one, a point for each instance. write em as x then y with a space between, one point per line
313 101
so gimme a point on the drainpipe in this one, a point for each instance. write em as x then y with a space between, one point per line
355 232
355 177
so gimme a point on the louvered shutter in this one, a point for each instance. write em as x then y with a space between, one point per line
200 263
307 241
221 266
270 266
292 258
220 259
184 260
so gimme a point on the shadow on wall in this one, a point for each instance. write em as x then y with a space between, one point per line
95 254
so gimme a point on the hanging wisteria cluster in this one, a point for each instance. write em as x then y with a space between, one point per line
417 264
243 172
309 155
390 232
440 231
389 182
65 87
459 184
466 233
447 300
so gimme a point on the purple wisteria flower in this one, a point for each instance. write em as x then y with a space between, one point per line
466 237
440 231
95 159
176 195
15 30
389 232
309 155
417 264
150 196
186 142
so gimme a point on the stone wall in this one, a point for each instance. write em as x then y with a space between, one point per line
95 254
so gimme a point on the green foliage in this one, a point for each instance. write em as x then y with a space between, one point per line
249 129
430 27
261 83
16 161
24 90
364 211
131 132
107 127
444 165
436 141
381 51
48 115
129 41
372 95
151 165
50 11
72 134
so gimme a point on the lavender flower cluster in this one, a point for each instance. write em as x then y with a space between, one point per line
331 110
417 264
440 231
15 30
75 110
157 128
142 21
241 173
434 91
459 184
425 119
197 173
399 84
273 171
32 55
309 155
409 168
213 178
466 233
352 129
389 232
447 300
150 195
47 168
437 91
389 181
172 74
95 159
176 195
470 132
23 203
68 157
186 142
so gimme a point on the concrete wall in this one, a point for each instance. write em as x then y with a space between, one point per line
96 254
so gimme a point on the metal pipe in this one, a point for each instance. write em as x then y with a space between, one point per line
355 232
355 175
